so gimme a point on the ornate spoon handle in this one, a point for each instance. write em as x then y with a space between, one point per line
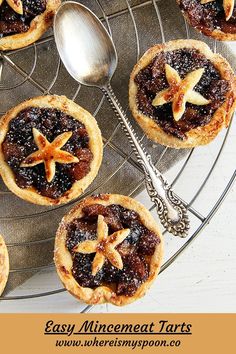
171 210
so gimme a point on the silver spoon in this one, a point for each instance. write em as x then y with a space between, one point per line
90 57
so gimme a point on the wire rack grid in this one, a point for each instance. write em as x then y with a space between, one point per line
129 10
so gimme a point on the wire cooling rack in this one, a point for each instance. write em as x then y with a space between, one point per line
119 17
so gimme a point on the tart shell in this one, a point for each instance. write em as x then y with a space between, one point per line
216 33
95 145
38 26
4 265
200 135
102 294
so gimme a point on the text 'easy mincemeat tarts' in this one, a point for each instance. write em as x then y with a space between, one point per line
22 22
108 249
214 18
182 94
50 150
4 265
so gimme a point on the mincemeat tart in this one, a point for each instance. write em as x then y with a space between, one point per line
108 249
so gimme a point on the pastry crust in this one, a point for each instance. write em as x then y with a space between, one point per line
102 294
38 26
200 135
216 33
4 265
95 145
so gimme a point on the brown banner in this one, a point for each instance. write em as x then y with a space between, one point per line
90 333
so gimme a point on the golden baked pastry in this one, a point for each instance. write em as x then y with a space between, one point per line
214 18
108 249
182 94
50 150
22 22
4 265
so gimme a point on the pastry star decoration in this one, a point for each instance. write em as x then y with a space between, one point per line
16 5
228 7
49 153
180 91
104 246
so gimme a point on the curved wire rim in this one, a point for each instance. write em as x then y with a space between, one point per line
166 264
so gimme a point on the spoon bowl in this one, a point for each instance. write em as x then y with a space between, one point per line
85 46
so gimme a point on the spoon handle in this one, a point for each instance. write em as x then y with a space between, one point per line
171 210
